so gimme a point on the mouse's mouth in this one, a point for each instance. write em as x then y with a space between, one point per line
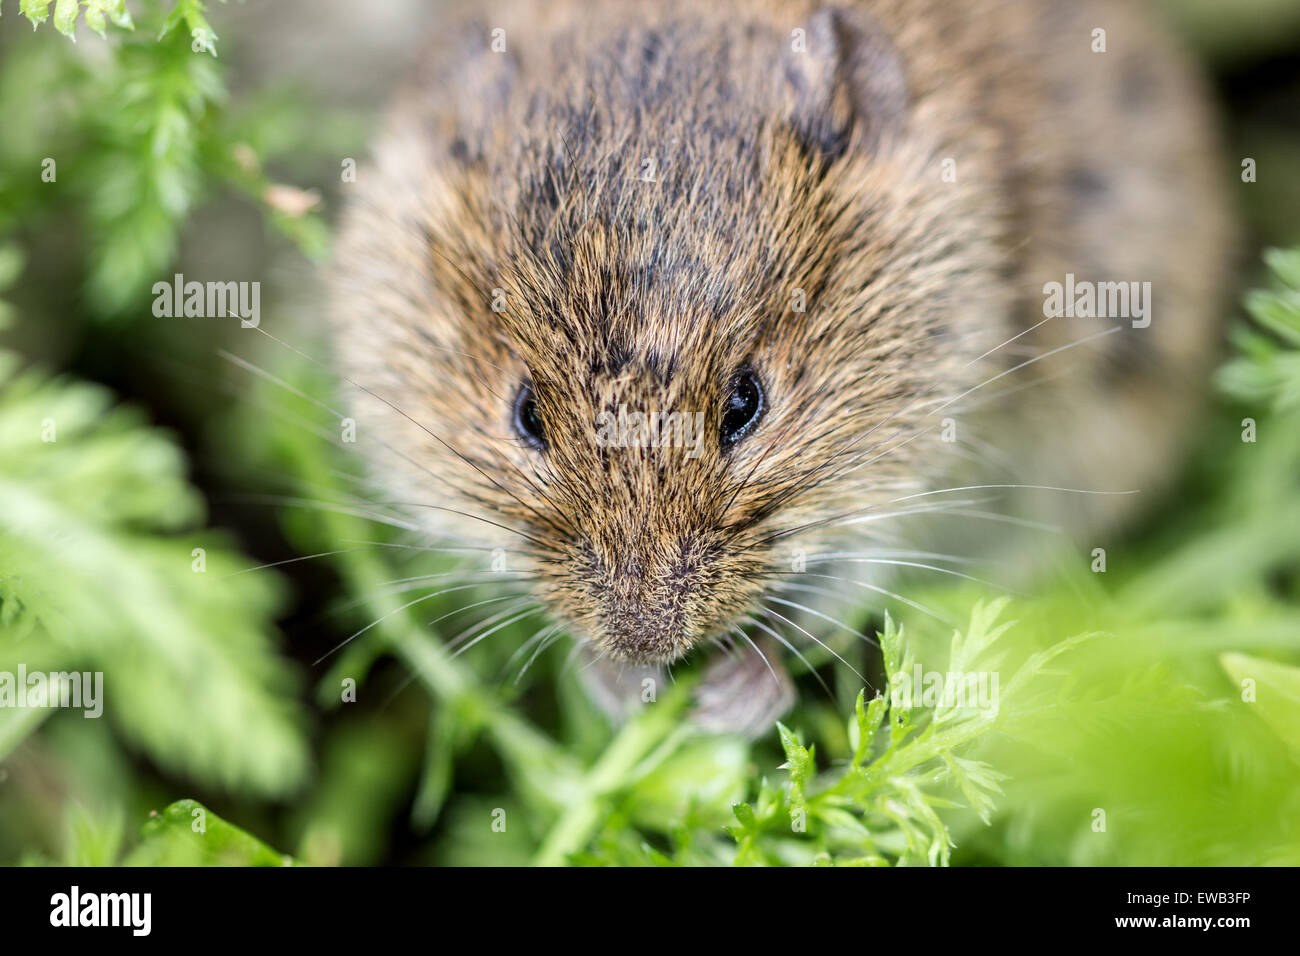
659 635
647 605
644 642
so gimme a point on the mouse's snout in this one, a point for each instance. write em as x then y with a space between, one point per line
650 599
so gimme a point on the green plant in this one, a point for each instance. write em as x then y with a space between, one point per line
103 568
134 144
1144 716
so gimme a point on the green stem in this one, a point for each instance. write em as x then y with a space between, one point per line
640 746
542 767
531 755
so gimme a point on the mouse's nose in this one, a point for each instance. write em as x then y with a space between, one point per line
649 602
646 630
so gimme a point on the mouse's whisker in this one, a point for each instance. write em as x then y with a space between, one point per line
885 593
555 634
896 553
277 380
1008 519
462 583
1037 358
1038 379
812 637
759 651
842 518
792 649
858 518
825 617
910 564
823 469
299 559
458 548
841 597
295 501
514 595
397 610
538 635
526 613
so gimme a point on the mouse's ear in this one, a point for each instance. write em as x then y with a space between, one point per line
848 78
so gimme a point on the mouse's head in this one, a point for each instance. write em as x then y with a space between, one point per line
656 315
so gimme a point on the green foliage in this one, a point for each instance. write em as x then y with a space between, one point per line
883 805
1179 721
11 265
1147 716
189 834
144 175
138 143
1269 366
97 12
186 16
101 570
1278 688
189 15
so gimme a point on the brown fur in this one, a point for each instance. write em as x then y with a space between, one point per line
774 171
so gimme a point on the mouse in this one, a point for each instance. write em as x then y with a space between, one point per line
663 302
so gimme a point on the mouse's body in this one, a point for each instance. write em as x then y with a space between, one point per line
805 230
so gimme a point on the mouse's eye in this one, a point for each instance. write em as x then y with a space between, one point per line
743 408
528 424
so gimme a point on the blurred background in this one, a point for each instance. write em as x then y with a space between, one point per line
189 451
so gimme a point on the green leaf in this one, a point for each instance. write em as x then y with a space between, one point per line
189 834
36 11
1279 312
97 12
1268 368
1276 689
102 570
862 730
704 776
1285 263
188 16
93 839
799 761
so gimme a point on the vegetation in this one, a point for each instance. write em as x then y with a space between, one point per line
1147 715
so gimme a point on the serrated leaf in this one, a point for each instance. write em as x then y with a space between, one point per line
744 813
97 14
37 11
65 17
98 573
863 730
799 761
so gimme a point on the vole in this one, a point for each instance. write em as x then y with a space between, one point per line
826 233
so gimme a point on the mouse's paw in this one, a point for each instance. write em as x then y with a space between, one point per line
744 692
